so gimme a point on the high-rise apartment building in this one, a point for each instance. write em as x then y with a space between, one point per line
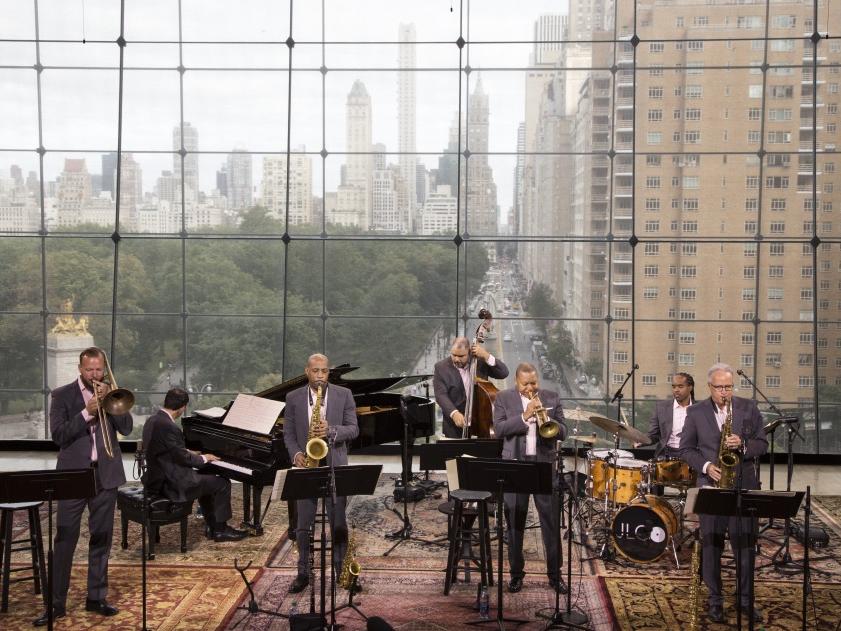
406 125
190 146
238 183
354 194
299 187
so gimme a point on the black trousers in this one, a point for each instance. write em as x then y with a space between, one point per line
742 535
214 495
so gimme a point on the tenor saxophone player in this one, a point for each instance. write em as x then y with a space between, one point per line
700 445
338 413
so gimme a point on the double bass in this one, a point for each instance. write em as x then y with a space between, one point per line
478 409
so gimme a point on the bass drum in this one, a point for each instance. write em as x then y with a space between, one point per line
642 530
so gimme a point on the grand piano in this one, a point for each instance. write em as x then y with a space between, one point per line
253 459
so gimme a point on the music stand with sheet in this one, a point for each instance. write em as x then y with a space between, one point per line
47 485
304 483
503 476
707 500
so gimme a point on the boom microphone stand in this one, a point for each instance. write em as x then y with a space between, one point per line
139 472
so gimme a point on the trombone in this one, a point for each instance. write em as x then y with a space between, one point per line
110 399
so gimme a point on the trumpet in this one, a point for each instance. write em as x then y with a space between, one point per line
546 427
110 399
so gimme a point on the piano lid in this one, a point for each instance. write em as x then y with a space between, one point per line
356 386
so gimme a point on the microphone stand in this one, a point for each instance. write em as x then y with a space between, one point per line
331 484
776 410
139 472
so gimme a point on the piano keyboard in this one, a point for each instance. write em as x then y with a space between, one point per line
232 467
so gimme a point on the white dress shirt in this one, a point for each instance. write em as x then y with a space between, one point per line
531 436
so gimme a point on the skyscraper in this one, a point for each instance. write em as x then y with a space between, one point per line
300 187
354 195
479 188
406 124
191 160
238 189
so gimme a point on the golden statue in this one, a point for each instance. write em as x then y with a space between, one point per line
66 324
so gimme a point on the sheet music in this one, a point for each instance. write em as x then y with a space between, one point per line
452 472
279 483
253 414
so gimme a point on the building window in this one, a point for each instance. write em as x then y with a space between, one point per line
772 381
649 380
774 337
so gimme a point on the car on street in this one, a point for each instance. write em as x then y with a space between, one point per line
506 337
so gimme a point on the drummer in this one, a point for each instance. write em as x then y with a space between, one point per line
669 416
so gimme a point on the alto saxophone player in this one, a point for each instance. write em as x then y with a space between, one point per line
700 444
338 413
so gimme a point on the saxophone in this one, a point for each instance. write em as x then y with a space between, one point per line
350 566
695 586
727 458
316 447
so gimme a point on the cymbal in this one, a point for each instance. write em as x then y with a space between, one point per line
577 414
590 440
624 431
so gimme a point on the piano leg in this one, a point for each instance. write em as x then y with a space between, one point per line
258 525
246 504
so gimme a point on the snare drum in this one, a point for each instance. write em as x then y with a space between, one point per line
625 472
642 529
672 472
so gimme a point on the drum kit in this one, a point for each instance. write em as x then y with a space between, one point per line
618 499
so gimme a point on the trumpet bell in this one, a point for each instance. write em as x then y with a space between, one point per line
118 401
316 449
549 429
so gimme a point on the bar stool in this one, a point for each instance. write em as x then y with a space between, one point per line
462 538
34 543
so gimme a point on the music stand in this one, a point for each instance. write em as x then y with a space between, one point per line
754 504
300 484
46 485
503 476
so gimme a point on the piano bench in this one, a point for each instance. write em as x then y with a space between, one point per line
161 512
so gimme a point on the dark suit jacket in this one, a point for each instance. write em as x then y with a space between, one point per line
170 467
509 425
701 438
449 388
341 414
70 432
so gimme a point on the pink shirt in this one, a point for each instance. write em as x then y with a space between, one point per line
87 395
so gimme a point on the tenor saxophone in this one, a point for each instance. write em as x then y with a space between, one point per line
350 566
316 447
727 458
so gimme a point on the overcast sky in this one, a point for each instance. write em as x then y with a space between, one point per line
248 109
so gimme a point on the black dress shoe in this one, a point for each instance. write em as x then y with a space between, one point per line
100 607
757 613
42 621
558 585
515 585
716 614
226 533
299 584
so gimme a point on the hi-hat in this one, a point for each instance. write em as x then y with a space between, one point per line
590 440
624 431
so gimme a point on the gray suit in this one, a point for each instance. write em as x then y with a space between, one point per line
660 429
509 425
341 416
699 444
449 389
71 433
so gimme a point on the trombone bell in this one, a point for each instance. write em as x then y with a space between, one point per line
118 401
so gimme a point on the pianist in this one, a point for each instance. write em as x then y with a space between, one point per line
171 469
338 413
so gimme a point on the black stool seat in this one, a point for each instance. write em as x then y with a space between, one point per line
34 543
161 512
465 509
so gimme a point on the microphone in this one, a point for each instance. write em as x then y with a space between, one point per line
636 366
740 372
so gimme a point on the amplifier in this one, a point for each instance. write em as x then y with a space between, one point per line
413 492
818 537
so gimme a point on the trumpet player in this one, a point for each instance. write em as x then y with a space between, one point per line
86 438
530 420
700 444
337 411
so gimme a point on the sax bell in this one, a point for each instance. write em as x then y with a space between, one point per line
316 449
354 568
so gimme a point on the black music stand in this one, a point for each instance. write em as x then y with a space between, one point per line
752 504
503 476
46 486
314 483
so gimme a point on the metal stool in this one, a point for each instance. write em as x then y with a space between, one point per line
34 543
463 538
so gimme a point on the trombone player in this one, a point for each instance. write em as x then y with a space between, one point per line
87 437
530 420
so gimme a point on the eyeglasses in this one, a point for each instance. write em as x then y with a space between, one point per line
722 388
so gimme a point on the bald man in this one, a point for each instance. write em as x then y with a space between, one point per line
452 379
338 413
